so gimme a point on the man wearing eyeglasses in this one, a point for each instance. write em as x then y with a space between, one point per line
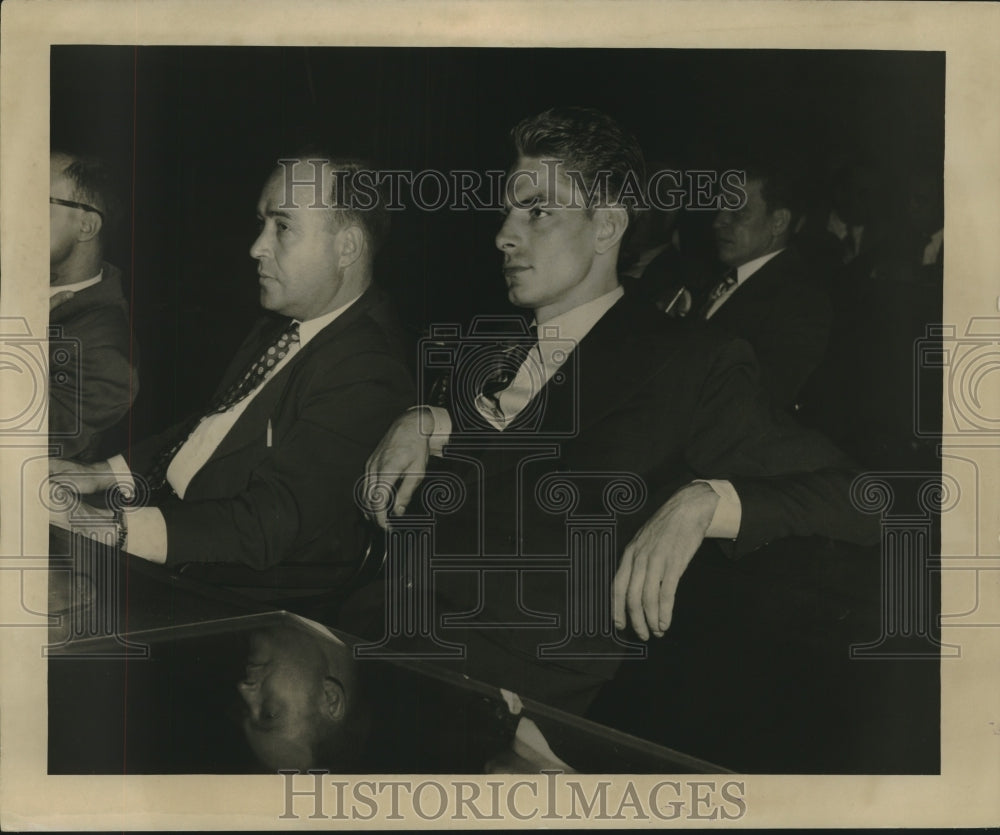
92 368
264 475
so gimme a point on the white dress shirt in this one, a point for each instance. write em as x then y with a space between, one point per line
147 530
839 228
539 367
743 272
76 286
933 249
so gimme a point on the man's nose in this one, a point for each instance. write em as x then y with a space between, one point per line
721 219
507 237
259 246
250 693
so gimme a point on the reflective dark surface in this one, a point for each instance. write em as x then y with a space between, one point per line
184 709
152 673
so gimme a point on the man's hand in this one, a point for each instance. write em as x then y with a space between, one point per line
84 479
657 556
59 298
88 521
398 463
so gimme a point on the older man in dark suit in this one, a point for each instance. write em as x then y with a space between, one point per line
611 389
265 476
768 296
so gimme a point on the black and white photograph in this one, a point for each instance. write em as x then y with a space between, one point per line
567 428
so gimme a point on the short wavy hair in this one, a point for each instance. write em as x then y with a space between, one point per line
590 142
364 204
93 184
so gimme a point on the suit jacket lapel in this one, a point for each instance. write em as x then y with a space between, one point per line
607 364
614 357
759 285
248 427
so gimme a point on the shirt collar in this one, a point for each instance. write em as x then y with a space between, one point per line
77 286
308 329
575 324
744 271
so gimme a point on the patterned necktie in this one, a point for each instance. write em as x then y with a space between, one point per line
509 358
718 291
252 377
256 372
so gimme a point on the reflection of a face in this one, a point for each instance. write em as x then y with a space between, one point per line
295 690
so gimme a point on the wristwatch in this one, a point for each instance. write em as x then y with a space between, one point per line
121 530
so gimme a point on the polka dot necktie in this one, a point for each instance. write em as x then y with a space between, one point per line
256 373
252 377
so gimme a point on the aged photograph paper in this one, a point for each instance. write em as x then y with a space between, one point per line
499 414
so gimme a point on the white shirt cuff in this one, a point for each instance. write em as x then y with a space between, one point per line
122 473
147 529
436 426
147 534
728 512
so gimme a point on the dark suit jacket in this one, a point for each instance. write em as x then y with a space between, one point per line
292 499
643 399
785 316
669 272
92 371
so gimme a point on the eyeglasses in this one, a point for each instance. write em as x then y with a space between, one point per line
74 205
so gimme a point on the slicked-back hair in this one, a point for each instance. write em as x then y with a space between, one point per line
783 183
349 201
587 141
94 185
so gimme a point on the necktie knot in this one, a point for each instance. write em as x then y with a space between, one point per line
250 379
507 361
724 286
262 366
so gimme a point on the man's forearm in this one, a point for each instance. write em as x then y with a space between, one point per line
728 515
437 428
146 530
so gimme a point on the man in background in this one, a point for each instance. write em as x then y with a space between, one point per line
768 296
92 365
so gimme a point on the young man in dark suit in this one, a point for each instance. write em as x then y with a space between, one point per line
266 475
611 391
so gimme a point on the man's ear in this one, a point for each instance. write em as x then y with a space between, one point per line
781 222
352 245
90 226
611 225
334 699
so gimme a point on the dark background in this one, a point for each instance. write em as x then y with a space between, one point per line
193 133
